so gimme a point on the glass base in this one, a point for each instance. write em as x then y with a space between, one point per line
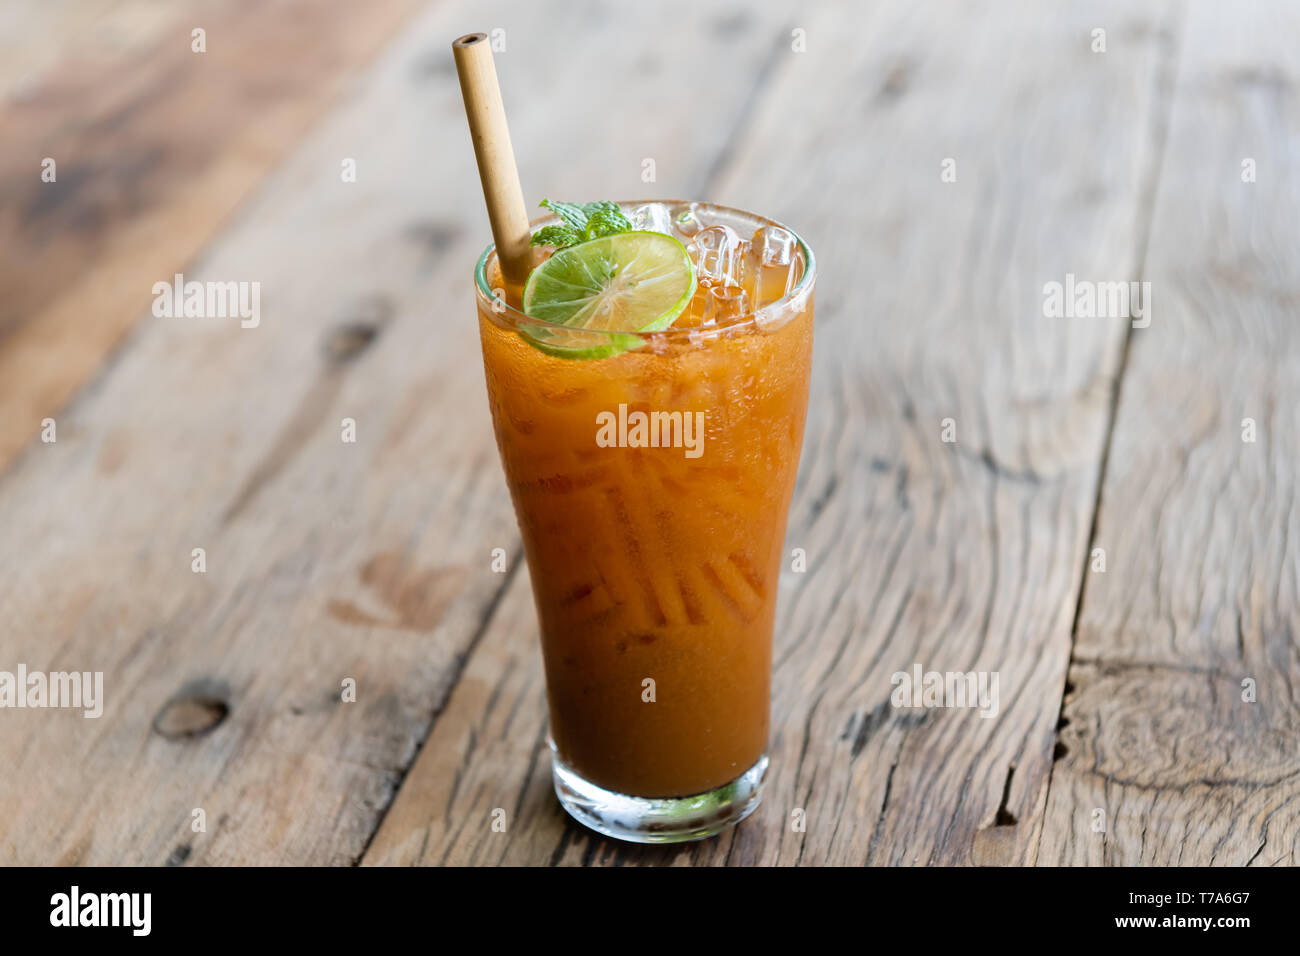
657 819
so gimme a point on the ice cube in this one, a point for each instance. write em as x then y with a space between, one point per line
652 217
720 255
686 219
658 344
774 245
725 302
774 261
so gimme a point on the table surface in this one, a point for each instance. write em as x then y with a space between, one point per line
1100 512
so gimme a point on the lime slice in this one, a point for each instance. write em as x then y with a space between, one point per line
626 282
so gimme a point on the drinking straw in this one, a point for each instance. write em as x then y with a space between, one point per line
496 159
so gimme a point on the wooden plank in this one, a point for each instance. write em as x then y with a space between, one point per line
325 560
1201 590
958 556
37 38
155 147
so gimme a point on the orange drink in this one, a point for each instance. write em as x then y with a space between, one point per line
651 473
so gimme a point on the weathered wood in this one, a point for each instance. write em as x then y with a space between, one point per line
958 556
325 560
1201 590
155 147
38 38
328 560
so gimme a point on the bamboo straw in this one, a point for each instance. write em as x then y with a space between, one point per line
496 159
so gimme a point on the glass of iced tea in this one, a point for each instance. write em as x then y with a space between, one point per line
651 473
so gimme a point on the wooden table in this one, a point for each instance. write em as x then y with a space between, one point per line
971 463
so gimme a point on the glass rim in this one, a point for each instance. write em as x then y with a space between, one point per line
500 310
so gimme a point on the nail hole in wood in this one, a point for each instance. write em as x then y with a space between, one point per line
180 855
895 83
348 341
366 320
196 710
1005 817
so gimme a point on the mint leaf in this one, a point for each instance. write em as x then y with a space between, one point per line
570 213
580 222
558 235
605 221
591 208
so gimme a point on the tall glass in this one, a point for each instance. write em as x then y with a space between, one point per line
654 542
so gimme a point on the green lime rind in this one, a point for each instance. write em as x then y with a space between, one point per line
551 341
630 282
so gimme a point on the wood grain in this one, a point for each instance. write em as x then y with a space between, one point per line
958 556
1201 590
325 560
37 38
372 561
155 147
